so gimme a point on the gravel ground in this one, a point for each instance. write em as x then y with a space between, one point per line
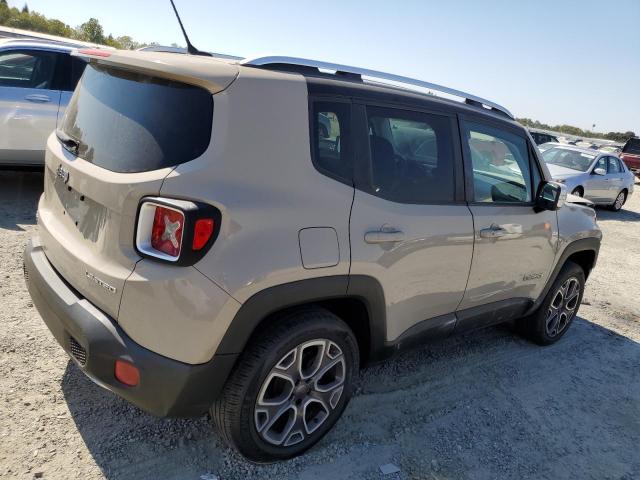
483 405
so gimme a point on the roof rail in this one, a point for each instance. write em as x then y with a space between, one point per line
378 76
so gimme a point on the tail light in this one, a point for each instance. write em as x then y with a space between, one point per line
176 231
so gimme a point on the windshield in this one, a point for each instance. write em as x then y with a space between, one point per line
568 158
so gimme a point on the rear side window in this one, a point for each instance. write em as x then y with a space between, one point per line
614 166
501 167
411 156
130 122
27 68
331 153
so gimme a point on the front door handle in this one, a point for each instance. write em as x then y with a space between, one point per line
384 236
37 98
494 231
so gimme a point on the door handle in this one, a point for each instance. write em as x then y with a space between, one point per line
494 231
37 98
384 236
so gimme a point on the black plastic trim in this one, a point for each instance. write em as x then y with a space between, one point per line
591 244
167 387
280 297
491 314
427 330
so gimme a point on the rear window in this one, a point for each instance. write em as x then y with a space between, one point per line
632 146
129 122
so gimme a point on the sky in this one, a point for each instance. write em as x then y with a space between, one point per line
561 61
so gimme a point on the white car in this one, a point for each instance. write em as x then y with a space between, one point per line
595 175
36 83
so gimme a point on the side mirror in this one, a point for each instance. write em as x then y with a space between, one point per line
599 171
551 196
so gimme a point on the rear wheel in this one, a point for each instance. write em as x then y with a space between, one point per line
290 386
619 201
560 306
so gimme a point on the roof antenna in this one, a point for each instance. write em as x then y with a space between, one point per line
190 48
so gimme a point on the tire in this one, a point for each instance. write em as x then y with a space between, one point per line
620 200
578 192
541 327
268 373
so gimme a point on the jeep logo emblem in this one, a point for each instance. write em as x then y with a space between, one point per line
62 174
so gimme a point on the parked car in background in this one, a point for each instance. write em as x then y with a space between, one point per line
540 136
631 154
597 176
36 83
548 145
615 149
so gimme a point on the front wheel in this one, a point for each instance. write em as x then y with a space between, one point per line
578 192
558 309
290 386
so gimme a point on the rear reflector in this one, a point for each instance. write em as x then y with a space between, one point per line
202 232
166 232
95 52
127 373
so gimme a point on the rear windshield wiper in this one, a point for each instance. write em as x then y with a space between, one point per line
69 143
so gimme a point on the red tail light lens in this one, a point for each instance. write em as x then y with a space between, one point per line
166 232
175 230
202 232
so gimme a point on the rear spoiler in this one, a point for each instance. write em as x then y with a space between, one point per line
210 73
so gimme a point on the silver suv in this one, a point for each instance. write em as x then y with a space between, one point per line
240 238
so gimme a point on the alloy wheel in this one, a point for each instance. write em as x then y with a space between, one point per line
563 307
300 392
619 201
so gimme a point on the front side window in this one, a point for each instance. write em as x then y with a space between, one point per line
500 162
601 163
331 122
27 68
411 156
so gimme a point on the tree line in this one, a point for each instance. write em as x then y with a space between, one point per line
89 31
92 31
578 132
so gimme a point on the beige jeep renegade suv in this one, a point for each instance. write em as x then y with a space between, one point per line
240 238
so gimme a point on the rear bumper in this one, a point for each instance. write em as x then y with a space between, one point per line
167 387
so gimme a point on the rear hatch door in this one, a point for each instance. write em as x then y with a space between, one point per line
126 127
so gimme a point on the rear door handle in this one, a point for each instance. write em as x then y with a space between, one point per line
384 236
37 98
494 231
